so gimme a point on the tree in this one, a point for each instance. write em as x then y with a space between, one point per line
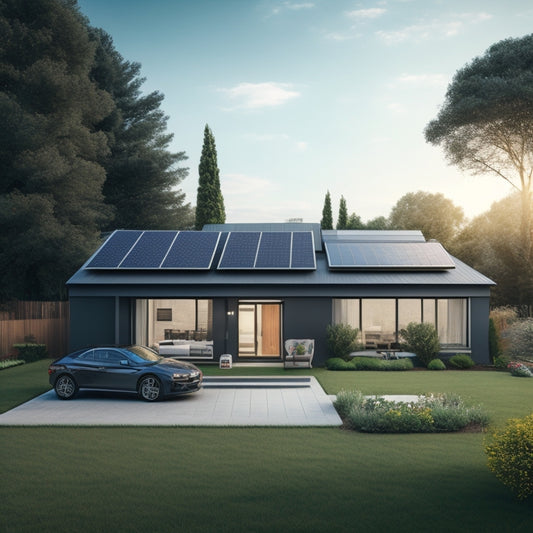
209 202
433 214
354 222
142 174
342 220
489 244
378 223
51 203
486 125
327 213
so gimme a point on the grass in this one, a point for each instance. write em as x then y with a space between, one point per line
263 479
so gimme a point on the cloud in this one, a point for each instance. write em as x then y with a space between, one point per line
365 14
423 31
292 6
260 95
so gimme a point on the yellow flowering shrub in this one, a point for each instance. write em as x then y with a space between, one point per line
510 456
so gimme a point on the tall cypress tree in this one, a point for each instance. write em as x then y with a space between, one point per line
209 202
342 221
327 213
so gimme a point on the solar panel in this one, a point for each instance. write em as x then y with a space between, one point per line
192 250
388 256
240 250
114 249
149 251
274 250
268 250
303 250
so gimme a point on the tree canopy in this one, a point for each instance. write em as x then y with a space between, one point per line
486 123
327 213
209 202
81 150
434 215
142 174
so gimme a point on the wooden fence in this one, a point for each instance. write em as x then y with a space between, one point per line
40 322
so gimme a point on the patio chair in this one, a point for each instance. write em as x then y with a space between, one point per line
299 352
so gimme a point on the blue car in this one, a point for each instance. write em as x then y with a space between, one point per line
136 369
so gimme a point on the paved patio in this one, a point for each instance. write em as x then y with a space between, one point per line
241 405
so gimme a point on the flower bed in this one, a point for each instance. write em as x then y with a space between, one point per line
519 370
429 414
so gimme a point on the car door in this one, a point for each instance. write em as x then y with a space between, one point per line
115 370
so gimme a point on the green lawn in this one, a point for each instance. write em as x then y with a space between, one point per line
262 479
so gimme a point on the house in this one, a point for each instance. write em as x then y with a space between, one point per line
242 289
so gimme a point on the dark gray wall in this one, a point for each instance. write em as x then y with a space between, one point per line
92 321
479 329
308 318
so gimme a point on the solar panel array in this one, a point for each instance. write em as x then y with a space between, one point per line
388 256
268 250
159 250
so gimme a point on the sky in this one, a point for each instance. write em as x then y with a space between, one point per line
309 96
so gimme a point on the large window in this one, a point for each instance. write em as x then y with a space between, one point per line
180 320
380 320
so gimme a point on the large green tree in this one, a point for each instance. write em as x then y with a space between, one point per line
434 215
142 173
51 202
209 202
486 126
327 213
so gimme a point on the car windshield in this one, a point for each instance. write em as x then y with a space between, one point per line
142 354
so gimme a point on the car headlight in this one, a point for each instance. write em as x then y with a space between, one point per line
177 375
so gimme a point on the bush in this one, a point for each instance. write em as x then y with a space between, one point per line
436 364
440 413
342 340
520 339
494 341
501 361
8 363
421 339
336 363
368 363
461 361
510 456
31 352
519 370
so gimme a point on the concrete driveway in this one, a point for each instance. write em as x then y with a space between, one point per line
241 404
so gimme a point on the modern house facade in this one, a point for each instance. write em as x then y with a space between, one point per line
243 289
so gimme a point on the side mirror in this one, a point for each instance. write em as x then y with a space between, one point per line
124 362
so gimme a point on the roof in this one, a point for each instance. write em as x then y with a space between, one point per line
324 280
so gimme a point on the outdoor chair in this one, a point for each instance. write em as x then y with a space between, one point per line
299 352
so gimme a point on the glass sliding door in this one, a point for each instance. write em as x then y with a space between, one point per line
259 329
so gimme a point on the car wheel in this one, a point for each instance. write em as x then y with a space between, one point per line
66 387
150 389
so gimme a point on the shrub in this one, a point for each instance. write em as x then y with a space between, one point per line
520 339
342 340
494 341
368 363
337 363
436 364
501 361
510 456
519 370
435 413
8 363
461 361
31 352
421 339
